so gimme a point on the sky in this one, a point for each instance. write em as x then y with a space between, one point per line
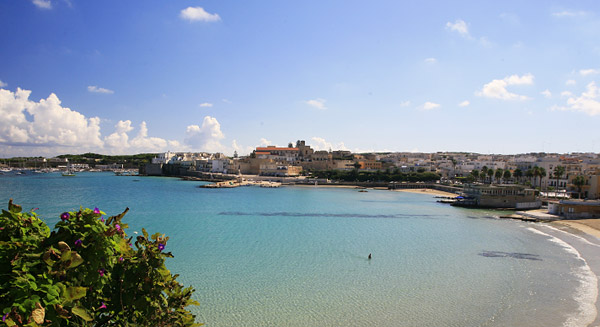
126 77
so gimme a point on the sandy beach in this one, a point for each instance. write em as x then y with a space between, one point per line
426 191
588 226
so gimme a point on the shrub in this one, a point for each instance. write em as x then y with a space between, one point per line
86 273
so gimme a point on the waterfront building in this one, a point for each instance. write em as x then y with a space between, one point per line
575 209
275 169
498 196
276 153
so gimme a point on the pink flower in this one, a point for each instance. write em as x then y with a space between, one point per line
103 306
121 259
102 219
65 216
78 242
161 246
96 211
118 227
102 271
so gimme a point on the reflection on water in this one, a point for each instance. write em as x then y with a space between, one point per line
516 255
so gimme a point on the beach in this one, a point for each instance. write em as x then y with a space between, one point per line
426 191
588 226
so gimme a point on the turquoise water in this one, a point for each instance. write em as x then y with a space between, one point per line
297 256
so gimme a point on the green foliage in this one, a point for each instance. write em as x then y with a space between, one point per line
86 273
377 176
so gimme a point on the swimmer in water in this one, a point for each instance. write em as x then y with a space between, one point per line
369 256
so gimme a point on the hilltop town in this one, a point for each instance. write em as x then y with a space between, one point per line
575 174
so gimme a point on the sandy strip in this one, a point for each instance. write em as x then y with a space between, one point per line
426 191
588 226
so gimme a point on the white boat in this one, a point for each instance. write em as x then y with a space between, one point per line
69 172
270 184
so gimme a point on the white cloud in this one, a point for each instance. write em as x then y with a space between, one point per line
566 93
317 103
430 60
95 89
319 143
546 93
405 103
42 4
143 143
264 142
119 139
586 72
206 105
567 13
497 88
570 82
119 142
464 103
2 84
588 102
47 128
241 150
225 100
206 137
193 14
460 27
429 106
49 123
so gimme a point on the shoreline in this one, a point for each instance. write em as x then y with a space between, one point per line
587 226
426 191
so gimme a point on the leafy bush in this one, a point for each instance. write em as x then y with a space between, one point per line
86 273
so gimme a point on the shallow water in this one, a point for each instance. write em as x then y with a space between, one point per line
298 256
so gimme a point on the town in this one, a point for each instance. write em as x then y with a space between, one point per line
519 181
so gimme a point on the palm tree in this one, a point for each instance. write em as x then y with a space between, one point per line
542 173
518 174
498 174
475 174
579 181
490 173
558 172
529 174
483 174
507 175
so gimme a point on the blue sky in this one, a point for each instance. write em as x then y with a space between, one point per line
122 77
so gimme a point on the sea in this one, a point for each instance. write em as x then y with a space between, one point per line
298 256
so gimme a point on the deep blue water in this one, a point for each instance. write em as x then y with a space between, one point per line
297 256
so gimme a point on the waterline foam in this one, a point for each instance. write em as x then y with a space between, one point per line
586 294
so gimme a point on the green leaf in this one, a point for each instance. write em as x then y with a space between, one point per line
78 311
14 207
65 256
74 292
76 260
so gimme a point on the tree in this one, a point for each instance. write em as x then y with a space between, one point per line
86 273
558 172
475 174
518 173
542 174
507 175
579 181
490 173
498 174
530 174
483 174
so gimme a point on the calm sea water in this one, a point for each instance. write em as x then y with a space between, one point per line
297 256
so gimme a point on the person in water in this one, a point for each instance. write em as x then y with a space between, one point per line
369 256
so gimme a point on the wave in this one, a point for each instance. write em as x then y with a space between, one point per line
586 293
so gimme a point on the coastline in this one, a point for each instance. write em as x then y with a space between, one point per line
426 191
587 226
